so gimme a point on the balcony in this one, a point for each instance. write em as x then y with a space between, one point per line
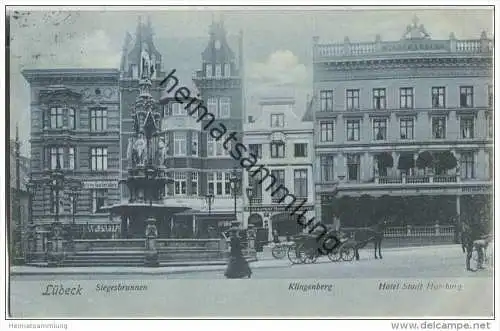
379 48
408 185
416 179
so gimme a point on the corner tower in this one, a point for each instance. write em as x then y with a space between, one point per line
220 85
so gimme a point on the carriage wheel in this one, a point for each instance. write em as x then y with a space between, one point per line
311 255
347 253
334 255
296 254
278 252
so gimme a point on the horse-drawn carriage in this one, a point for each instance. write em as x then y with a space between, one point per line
306 248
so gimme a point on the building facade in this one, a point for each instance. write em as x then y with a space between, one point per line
75 122
403 129
283 144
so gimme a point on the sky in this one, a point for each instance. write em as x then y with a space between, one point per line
277 43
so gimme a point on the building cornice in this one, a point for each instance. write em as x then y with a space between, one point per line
397 111
377 146
70 75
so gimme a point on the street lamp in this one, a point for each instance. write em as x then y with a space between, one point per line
210 199
234 186
250 193
74 194
30 187
56 183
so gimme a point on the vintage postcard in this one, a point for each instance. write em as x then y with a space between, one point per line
246 162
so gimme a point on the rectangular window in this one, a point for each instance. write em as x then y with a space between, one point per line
135 71
98 119
56 117
379 98
353 127
467 165
490 95
167 110
300 183
212 105
490 128
179 143
491 165
219 183
180 183
227 183
277 150
71 158
178 109
208 70
326 100
379 129
227 69
211 183
466 96
326 129
255 149
56 154
194 183
438 97
218 70
98 158
467 127
71 119
300 150
406 97
406 128
256 183
99 197
277 120
214 147
352 99
353 167
439 127
225 107
194 143
326 162
280 180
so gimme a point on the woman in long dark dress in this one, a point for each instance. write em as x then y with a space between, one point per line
237 266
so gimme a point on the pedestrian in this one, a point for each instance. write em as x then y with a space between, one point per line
237 266
471 233
276 236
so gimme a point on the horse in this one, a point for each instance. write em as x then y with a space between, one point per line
374 234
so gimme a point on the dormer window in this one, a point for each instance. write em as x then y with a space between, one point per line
218 70
277 120
227 70
208 70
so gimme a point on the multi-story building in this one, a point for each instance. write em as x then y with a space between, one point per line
283 144
403 129
203 166
75 122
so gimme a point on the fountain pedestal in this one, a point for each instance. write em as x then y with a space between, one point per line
55 254
151 254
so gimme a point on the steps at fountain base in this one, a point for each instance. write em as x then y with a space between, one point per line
105 259
108 258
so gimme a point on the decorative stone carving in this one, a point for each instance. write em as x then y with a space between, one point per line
139 151
162 152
